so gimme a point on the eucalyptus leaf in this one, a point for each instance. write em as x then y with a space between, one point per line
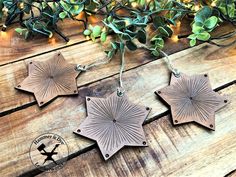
131 46
155 53
141 36
87 32
103 36
163 32
96 31
158 22
63 15
203 14
204 36
193 42
211 22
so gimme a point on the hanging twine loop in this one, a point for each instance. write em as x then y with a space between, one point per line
166 58
120 89
80 68
99 62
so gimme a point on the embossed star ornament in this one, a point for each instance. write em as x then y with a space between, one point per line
192 99
114 122
49 79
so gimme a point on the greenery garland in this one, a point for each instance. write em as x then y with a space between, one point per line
126 19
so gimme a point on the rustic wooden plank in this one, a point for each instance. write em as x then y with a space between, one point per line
13 47
13 73
64 115
85 53
186 150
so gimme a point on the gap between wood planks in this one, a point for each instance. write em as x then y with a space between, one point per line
14 73
147 74
10 70
32 50
76 37
93 146
14 47
14 100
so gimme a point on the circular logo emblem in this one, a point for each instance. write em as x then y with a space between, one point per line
49 152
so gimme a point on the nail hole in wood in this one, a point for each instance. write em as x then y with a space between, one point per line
176 121
225 101
88 99
107 155
147 108
144 143
211 126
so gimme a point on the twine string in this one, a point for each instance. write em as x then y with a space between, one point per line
105 60
99 62
120 89
169 64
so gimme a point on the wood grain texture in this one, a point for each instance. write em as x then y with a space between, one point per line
13 73
85 53
186 150
20 128
14 47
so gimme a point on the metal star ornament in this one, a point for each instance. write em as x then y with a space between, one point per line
192 99
114 122
49 79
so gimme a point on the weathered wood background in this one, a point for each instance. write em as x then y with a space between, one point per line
187 150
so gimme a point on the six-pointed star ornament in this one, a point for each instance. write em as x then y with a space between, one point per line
49 79
113 123
192 99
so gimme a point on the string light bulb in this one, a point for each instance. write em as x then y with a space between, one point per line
178 24
21 5
196 7
213 4
134 4
5 10
175 38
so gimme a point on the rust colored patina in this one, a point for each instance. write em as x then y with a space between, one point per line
49 79
192 99
114 122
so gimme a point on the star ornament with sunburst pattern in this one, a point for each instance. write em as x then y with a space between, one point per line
192 99
49 79
114 122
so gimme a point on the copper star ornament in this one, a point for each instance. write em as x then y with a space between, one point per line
49 79
192 99
114 122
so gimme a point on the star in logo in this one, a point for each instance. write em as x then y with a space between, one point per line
192 99
49 79
113 123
